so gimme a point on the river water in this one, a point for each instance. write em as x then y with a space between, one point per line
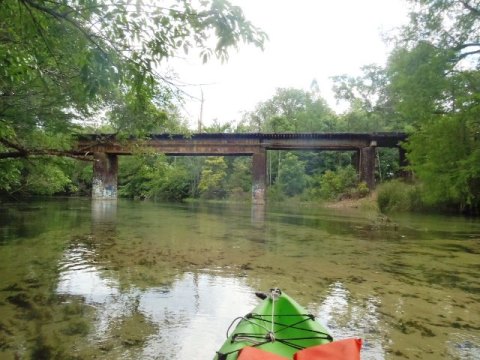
144 280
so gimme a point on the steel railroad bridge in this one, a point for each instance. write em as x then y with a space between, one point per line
106 148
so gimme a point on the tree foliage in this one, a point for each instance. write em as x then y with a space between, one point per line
240 176
64 62
437 79
212 182
429 88
62 59
294 179
154 176
334 183
292 110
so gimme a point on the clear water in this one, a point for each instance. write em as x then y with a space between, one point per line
142 280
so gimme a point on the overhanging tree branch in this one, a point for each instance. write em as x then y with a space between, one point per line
467 54
23 152
45 152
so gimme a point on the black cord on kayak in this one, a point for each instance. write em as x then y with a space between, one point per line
221 356
294 325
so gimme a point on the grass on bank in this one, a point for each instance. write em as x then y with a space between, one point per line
392 196
399 196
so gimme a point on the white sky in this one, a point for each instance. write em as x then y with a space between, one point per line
308 39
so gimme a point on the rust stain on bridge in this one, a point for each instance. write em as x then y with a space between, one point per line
106 147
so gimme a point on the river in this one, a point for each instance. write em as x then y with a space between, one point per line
145 280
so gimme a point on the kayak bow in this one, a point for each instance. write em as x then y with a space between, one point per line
278 325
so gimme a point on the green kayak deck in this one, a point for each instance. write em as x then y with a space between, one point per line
278 325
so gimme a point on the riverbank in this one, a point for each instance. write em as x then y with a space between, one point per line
368 203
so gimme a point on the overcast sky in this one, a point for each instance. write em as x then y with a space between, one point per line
308 39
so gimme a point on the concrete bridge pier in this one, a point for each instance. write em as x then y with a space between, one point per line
105 172
367 165
259 177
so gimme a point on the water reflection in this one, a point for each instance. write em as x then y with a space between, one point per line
104 218
258 215
104 212
182 320
79 277
345 316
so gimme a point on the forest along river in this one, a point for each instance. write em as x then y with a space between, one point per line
143 280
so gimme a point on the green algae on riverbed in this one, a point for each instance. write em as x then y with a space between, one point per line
137 280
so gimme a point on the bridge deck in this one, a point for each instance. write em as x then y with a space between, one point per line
237 144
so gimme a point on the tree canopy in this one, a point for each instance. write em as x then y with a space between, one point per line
63 62
292 110
435 76
430 88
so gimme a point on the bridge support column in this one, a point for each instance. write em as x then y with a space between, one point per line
259 177
367 166
105 170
